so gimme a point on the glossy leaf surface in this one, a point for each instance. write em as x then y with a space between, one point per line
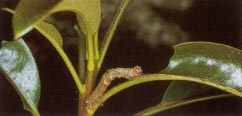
18 65
31 12
217 63
169 105
178 90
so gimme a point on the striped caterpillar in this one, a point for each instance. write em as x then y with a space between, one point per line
107 78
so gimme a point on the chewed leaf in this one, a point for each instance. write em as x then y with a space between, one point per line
213 62
31 12
19 67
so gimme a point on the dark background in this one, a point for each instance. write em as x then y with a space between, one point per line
207 20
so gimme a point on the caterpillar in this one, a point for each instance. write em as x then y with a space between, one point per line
107 78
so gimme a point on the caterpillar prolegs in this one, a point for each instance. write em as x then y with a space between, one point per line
107 78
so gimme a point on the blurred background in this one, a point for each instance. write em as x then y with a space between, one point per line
144 37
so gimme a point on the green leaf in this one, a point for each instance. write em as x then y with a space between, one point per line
178 90
168 105
194 53
54 37
214 62
161 77
31 12
50 32
18 65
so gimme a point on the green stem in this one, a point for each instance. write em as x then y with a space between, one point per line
35 112
67 61
70 67
90 52
91 65
96 49
160 77
82 53
89 82
112 28
82 100
96 58
82 68
166 106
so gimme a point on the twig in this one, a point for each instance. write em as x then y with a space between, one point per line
112 28
107 78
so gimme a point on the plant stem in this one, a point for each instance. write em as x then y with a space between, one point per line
82 69
84 96
96 48
91 68
82 53
65 58
91 64
109 35
93 56
82 105
107 78
90 52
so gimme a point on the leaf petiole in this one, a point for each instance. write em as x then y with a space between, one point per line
111 30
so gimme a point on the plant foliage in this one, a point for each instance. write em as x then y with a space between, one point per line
195 68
